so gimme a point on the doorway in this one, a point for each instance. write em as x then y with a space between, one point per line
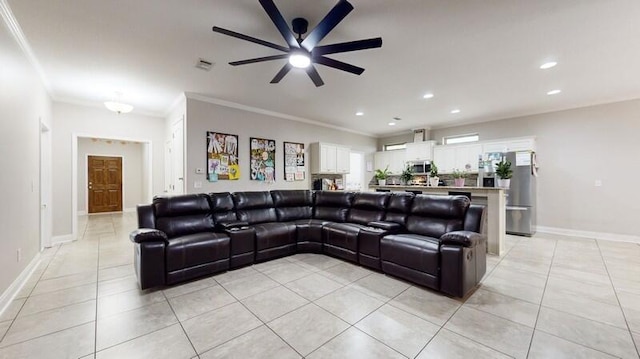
45 186
104 184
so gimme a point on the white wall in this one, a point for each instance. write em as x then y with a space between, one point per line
132 169
23 102
86 121
203 116
575 148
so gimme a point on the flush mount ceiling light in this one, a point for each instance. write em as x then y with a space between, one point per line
300 60
554 92
455 111
548 65
427 96
118 107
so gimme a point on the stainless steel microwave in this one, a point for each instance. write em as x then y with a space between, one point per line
420 167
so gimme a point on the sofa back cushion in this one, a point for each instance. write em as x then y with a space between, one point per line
255 207
222 207
184 214
434 216
332 206
368 207
398 208
293 205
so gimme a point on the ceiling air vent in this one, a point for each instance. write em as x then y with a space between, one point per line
204 64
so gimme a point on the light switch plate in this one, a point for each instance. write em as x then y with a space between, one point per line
200 171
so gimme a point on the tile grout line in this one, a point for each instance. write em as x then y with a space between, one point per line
544 290
95 334
179 322
615 292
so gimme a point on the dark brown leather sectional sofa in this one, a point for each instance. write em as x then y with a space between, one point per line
433 241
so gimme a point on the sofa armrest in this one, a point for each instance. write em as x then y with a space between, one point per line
142 235
390 227
462 238
225 226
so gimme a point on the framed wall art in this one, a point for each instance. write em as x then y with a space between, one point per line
294 169
263 159
222 157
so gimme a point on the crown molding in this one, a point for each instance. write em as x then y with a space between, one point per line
215 101
18 35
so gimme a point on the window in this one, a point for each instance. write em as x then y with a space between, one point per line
450 140
396 146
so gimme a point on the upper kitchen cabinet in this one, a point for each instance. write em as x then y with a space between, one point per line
329 158
450 157
510 145
420 151
395 160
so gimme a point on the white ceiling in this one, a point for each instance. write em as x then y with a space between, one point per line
479 56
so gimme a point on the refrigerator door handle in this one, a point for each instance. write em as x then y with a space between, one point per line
515 208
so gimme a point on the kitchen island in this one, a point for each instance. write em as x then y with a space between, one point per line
495 201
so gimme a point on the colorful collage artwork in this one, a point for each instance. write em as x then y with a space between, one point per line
293 161
222 157
263 160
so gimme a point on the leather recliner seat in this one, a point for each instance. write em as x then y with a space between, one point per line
433 241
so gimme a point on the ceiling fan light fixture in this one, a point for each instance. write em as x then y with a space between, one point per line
118 107
299 60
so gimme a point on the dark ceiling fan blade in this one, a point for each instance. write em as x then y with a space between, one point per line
338 65
259 59
280 23
283 71
333 18
249 38
348 46
314 75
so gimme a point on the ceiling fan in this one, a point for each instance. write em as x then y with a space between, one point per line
304 53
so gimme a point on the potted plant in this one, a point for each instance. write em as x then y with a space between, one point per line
433 175
407 175
381 176
504 173
458 177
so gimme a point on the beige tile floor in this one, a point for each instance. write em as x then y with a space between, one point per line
548 297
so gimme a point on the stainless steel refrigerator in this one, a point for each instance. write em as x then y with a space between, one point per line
521 195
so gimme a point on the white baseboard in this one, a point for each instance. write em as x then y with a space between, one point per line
82 213
129 210
62 239
7 297
588 234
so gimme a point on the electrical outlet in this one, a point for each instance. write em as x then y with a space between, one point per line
197 184
19 255
598 183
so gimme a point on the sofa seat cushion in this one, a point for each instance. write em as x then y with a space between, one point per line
274 234
196 249
343 235
413 251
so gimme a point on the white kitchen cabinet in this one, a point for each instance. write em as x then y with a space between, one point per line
419 151
451 157
343 155
329 158
510 145
395 161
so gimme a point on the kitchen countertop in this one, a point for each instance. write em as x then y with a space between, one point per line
416 187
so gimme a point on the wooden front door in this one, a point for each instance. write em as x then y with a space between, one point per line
105 184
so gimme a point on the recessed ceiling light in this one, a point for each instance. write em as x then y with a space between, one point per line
548 65
392 123
554 92
455 111
359 113
428 96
